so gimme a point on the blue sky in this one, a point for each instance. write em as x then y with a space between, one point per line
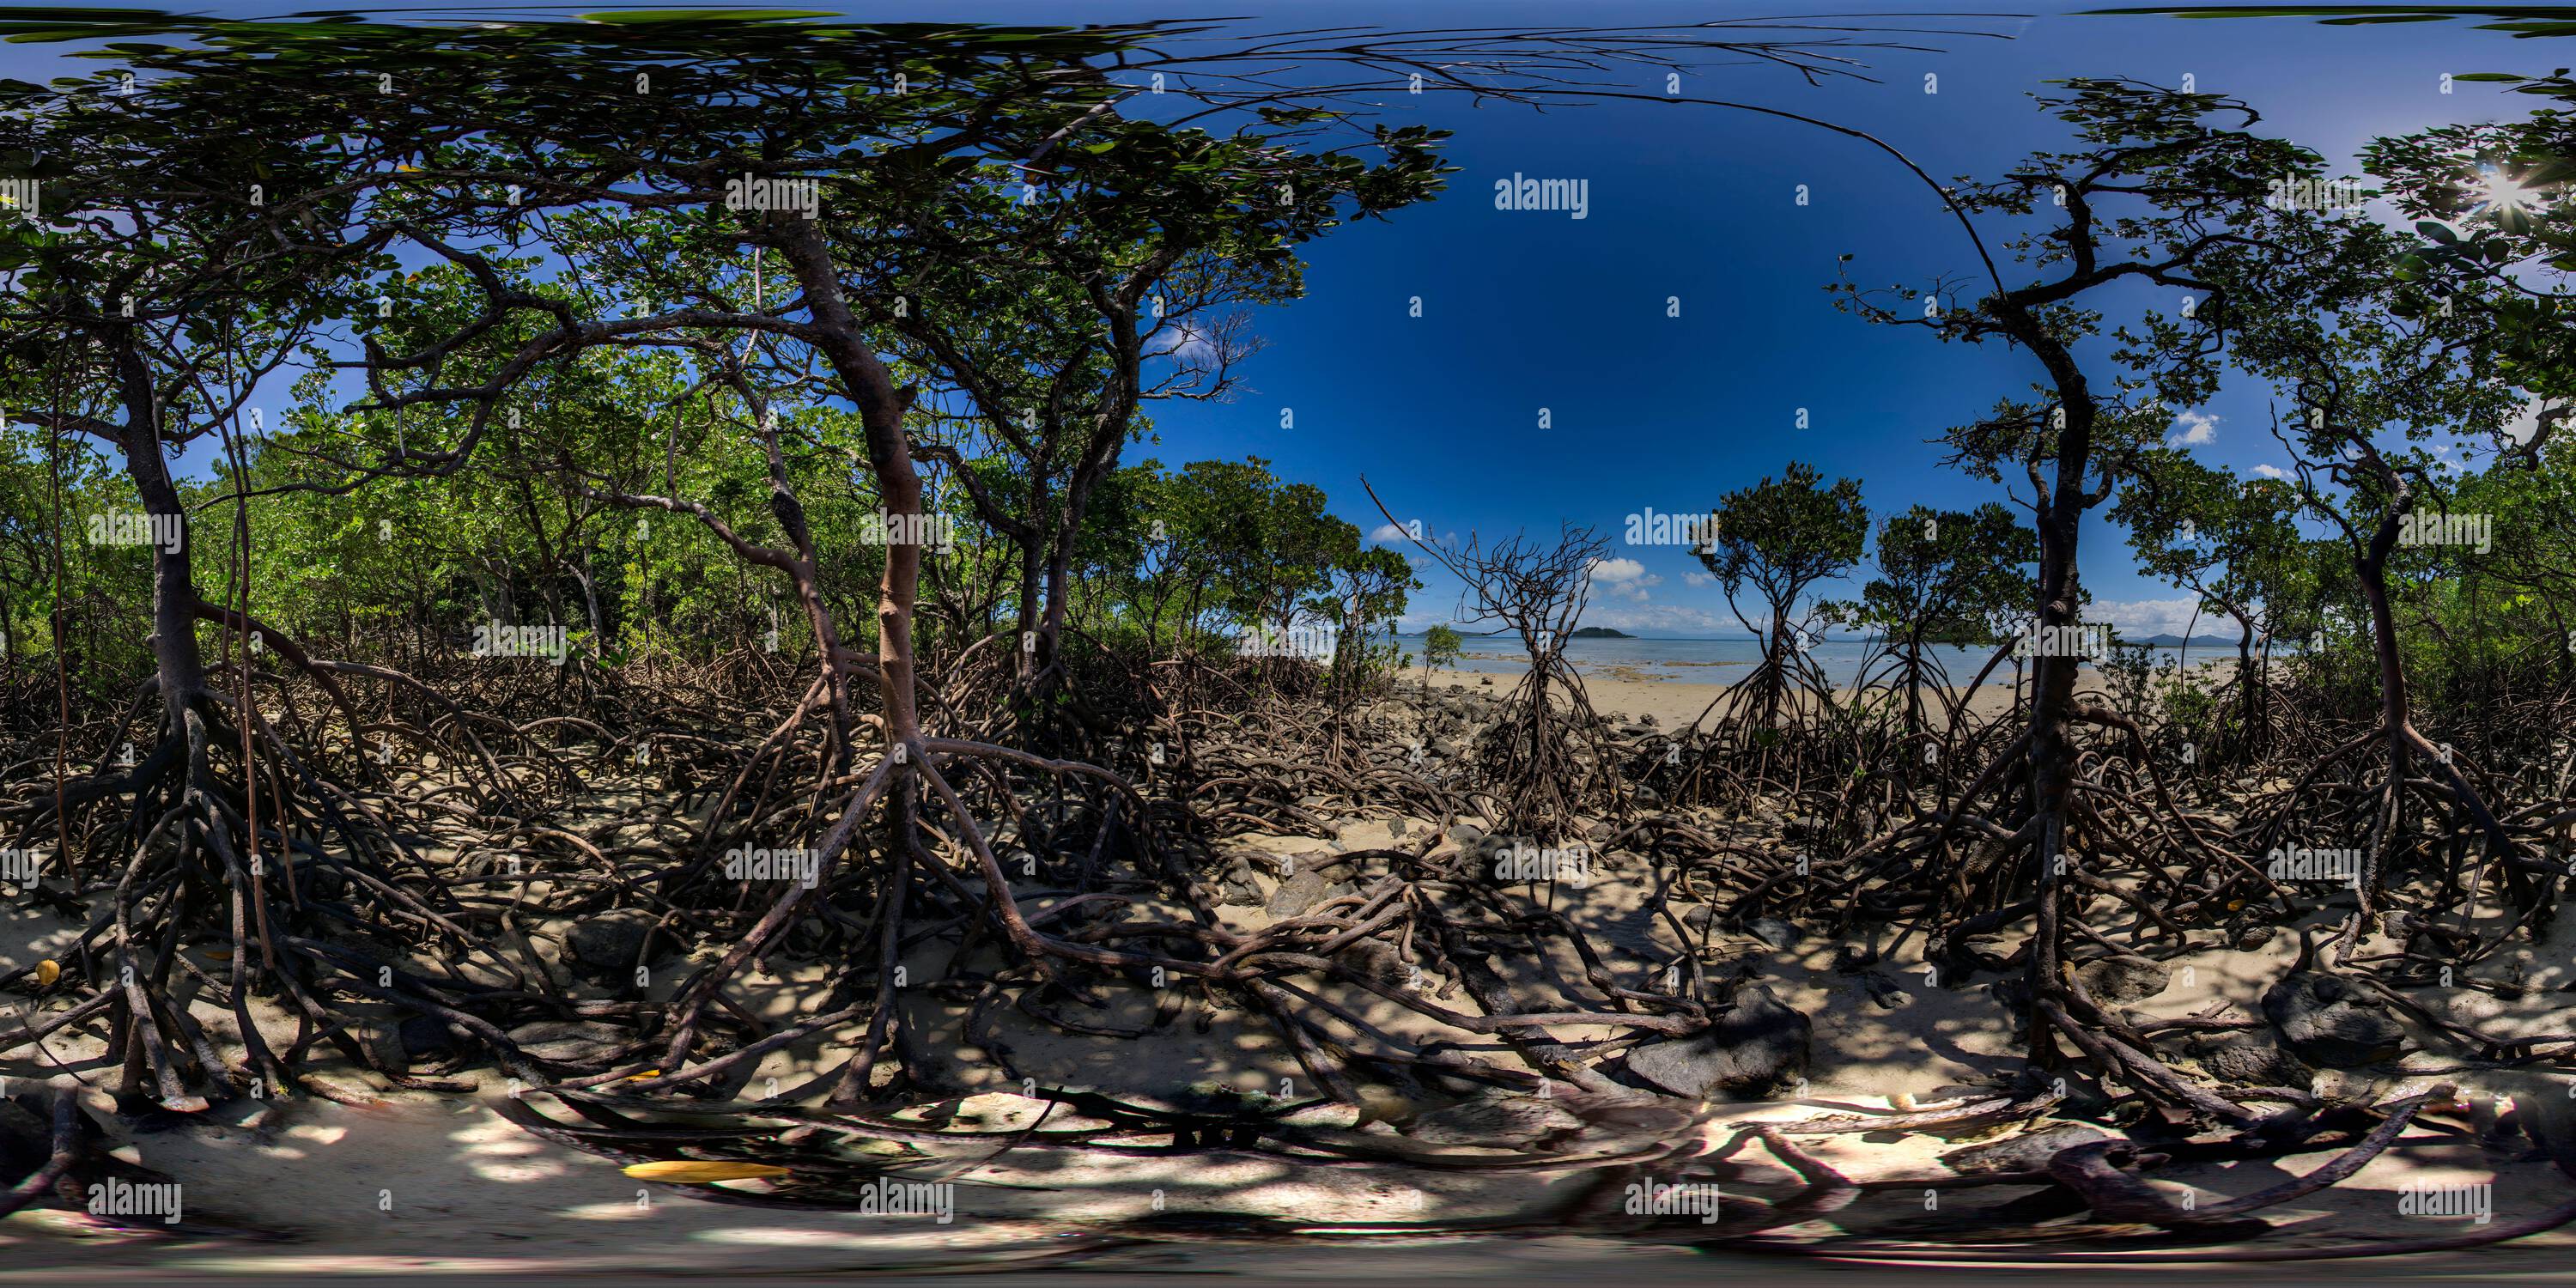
1529 310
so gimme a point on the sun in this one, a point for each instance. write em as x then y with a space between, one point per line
2501 191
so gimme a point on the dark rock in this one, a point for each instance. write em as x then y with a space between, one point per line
383 1039
1395 827
1647 720
610 942
2117 981
2028 1152
1239 888
1647 797
2012 993
1486 849
1757 1046
569 1041
425 1037
1773 931
1493 1120
1884 990
2252 1060
1466 833
1297 894
2329 1022
1375 959
2253 937
26 1137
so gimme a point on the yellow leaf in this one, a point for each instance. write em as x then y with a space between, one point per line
48 971
693 1172
220 954
648 1073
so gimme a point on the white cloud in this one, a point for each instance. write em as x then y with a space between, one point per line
1186 344
1654 617
2196 428
1389 534
1699 579
2271 471
2525 424
2139 618
1623 579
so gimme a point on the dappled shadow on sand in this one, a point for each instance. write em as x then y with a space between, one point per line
454 1188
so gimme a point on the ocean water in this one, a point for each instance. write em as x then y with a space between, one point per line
1723 660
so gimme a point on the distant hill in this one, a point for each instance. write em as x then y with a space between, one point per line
2176 641
1600 633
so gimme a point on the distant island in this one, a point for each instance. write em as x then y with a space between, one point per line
1600 633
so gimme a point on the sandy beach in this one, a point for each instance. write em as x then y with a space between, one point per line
1624 693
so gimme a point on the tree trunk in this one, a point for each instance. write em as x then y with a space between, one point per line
175 657
881 406
2372 571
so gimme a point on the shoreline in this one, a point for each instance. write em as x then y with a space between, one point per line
1622 691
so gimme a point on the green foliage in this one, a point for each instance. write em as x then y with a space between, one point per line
1946 576
1785 535
1440 647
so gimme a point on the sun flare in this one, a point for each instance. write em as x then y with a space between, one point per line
2501 191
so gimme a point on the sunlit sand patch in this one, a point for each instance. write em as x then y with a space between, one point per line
607 1212
776 1237
543 1169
